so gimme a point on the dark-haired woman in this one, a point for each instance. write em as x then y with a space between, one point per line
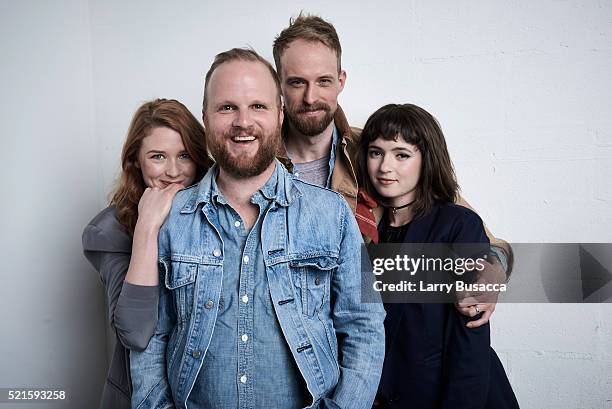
433 360
164 151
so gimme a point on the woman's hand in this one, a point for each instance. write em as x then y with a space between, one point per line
155 204
153 208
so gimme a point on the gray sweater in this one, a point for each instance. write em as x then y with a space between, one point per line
132 309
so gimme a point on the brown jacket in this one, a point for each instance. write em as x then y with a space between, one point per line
344 177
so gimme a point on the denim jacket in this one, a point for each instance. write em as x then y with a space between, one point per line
311 247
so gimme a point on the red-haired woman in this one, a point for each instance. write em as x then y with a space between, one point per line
165 151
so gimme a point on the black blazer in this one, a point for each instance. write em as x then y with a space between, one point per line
432 360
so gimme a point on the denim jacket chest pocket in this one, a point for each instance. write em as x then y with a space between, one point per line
312 277
180 280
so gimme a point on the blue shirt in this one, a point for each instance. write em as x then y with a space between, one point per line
247 344
310 245
332 156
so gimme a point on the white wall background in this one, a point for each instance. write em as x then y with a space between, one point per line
521 88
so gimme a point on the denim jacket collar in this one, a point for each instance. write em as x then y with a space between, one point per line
284 192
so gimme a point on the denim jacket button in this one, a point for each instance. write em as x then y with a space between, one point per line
196 354
216 252
209 304
317 281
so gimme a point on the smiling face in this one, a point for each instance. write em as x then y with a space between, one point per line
394 168
163 160
243 117
310 83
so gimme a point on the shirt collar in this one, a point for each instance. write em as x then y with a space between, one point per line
279 187
332 157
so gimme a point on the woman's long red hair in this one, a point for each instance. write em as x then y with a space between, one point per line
158 113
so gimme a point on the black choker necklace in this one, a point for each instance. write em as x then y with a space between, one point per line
395 209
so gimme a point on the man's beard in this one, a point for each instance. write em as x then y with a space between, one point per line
245 166
309 126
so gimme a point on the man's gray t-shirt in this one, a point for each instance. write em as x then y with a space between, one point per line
315 172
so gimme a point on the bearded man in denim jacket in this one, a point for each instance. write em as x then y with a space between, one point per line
260 301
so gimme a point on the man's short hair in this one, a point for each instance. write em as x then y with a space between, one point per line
239 54
309 28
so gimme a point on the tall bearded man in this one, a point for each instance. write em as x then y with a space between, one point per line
320 146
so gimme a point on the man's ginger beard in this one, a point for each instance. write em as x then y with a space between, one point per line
307 125
245 166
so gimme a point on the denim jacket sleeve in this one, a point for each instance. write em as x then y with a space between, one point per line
148 368
359 326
